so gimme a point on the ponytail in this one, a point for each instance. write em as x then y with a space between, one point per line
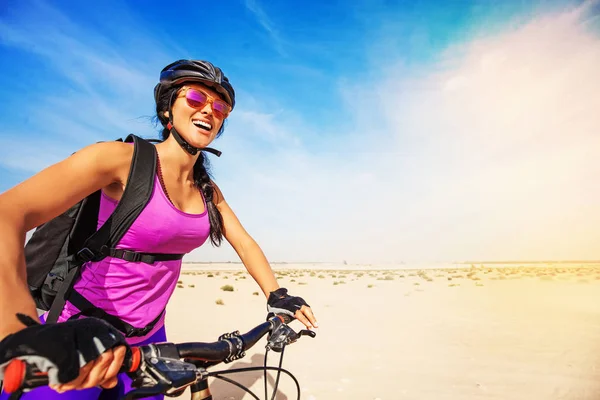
203 182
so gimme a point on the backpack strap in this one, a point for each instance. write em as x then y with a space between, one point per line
86 308
134 256
136 195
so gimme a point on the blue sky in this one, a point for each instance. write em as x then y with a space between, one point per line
367 131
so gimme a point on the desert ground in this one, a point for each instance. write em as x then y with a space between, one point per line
470 332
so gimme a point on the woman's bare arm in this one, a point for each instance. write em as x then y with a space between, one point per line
252 256
245 246
39 199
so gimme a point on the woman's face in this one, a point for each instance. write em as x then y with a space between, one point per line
200 124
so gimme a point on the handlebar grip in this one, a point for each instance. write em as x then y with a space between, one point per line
285 318
21 375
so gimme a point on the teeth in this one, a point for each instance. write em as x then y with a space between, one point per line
202 124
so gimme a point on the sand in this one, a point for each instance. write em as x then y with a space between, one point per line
471 333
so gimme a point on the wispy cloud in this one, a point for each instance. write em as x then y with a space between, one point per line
24 154
99 94
501 130
84 56
265 22
488 153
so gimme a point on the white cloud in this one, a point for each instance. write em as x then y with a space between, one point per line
490 153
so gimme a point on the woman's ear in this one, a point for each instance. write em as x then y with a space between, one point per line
166 114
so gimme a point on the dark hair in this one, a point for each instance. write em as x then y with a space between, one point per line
202 176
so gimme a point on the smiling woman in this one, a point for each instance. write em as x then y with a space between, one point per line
119 299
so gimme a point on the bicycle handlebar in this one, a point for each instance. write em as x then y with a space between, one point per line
158 368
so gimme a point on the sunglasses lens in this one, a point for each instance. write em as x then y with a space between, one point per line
221 107
195 98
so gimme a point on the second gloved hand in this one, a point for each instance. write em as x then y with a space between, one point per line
280 302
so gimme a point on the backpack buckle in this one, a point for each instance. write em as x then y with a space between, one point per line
85 255
131 256
139 331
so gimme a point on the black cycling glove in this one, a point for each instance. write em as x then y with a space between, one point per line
59 349
279 302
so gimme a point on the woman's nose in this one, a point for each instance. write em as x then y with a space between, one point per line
207 108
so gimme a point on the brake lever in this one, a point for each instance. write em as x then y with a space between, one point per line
307 332
283 335
161 374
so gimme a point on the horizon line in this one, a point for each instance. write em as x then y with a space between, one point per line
416 262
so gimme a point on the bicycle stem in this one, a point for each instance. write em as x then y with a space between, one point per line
200 390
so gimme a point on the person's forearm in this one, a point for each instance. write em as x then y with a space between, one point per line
14 292
258 267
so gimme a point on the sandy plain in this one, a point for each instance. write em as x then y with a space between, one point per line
469 332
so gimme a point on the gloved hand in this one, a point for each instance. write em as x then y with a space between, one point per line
279 302
60 349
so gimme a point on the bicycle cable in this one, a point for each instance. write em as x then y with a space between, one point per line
217 374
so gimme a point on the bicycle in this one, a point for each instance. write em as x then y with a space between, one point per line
169 368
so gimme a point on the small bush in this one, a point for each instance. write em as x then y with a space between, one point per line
219 302
227 288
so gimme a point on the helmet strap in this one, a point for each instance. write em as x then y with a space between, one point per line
185 145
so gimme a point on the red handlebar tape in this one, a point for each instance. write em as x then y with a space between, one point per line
14 375
136 359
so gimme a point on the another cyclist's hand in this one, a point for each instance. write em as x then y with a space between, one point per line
75 354
280 302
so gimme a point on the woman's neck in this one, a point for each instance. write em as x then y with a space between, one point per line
178 162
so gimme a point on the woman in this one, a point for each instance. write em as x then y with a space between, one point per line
193 99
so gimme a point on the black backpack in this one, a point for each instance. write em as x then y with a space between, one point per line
57 249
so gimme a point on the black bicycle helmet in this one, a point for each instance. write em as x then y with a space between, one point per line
195 71
203 72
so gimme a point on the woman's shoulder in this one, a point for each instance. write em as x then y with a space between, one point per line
113 152
110 157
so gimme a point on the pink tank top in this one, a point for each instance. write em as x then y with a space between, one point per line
138 292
